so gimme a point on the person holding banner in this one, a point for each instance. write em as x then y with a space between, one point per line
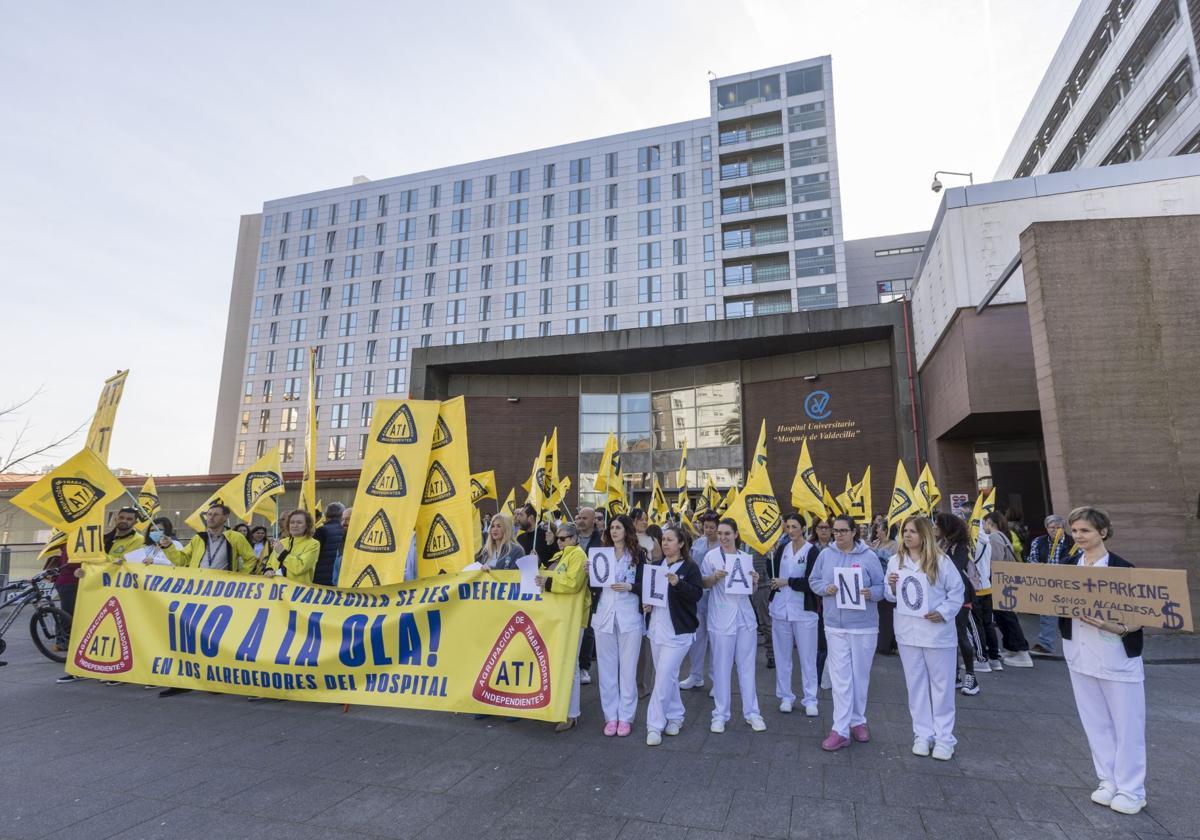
501 551
850 578
566 576
1104 659
672 632
732 629
214 548
260 545
928 593
296 554
794 618
619 627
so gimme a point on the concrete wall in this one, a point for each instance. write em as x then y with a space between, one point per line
1114 308
864 269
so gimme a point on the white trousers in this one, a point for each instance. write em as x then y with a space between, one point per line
665 703
617 654
741 648
929 674
700 646
803 636
573 707
1113 715
849 666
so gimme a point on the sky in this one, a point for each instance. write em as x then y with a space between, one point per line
135 134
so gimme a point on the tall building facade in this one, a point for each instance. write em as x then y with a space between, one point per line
732 215
1121 87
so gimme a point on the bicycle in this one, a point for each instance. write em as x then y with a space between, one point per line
47 625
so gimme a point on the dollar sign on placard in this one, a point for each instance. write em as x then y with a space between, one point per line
1171 619
1007 599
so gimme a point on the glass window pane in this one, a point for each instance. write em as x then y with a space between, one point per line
600 424
636 443
635 402
591 443
598 403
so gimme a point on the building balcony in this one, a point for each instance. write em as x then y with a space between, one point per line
753 197
750 168
747 135
767 268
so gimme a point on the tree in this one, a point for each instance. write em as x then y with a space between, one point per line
21 448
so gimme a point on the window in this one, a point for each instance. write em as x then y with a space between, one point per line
518 211
610 196
610 260
679 285
456 311
581 170
350 294
648 158
763 89
404 259
706 181
578 233
456 337
323 327
356 237
435 195
576 325
546 271
427 315
710 312
709 247
345 354
258 307
678 251
431 225
358 209
548 206
251 364
371 345
678 185
366 412
577 297
306 246
649 222
337 447
678 218
248 392
808 152
297 329
402 288
399 318
264 420
486 246
805 80
518 181
610 165
283 249
814 187
815 261
812 223
817 297
679 315
397 380
277 304
373 321
514 305
891 290
544 329
462 191
649 255
378 263
458 281
406 201
610 293
489 186
515 273
610 323
548 176
648 190
577 264
459 250
397 348
460 220
705 148
806 117
547 237
347 324
677 152
512 331
651 318
431 253
327 271
353 266
610 228
300 300
288 418
485 277
545 301
406 230
579 201
342 385
707 210
518 241
241 453
908 249
649 289
268 225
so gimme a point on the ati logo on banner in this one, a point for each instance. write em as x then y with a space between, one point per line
438 486
74 497
901 502
257 485
399 428
478 491
104 648
617 507
441 541
377 537
809 477
389 482
516 674
149 502
764 515
543 483
441 435
367 576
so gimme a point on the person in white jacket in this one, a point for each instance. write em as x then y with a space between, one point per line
928 643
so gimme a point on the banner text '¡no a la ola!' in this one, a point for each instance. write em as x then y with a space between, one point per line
463 642
817 430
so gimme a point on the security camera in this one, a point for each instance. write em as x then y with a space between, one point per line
936 186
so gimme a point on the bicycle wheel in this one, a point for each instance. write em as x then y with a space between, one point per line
46 626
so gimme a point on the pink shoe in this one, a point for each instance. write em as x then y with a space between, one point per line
834 742
860 733
623 729
610 729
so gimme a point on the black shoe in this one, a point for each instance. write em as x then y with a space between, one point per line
171 692
771 663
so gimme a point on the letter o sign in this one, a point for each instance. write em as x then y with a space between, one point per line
913 593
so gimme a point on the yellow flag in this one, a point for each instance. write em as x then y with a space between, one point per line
509 508
756 510
77 490
148 500
681 500
862 497
989 504
538 483
832 508
610 464
845 501
709 497
308 485
658 508
100 433
389 493
904 502
483 486
806 490
552 458
979 511
729 499
251 491
447 517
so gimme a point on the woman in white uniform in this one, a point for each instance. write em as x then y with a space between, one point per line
671 633
619 627
794 618
1104 659
928 644
733 632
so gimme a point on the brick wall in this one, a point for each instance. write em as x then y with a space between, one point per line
505 437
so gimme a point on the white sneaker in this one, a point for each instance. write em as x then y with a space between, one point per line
653 739
673 727
1104 794
921 746
943 753
757 723
825 683
1123 803
585 676
995 665
785 706
811 710
691 682
982 666
717 726
1018 659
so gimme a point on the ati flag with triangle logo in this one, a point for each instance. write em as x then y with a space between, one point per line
105 648
447 524
516 674
67 494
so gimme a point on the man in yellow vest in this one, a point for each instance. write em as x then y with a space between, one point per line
214 548
123 538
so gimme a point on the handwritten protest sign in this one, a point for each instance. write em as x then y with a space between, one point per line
601 567
1145 597
654 586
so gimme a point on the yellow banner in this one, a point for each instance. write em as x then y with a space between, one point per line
100 433
462 643
447 520
388 495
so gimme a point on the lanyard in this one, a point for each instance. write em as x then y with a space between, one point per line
210 556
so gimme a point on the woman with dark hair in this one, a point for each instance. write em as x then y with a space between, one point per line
619 627
733 631
671 632
1104 659
261 546
151 552
952 535
243 529
794 617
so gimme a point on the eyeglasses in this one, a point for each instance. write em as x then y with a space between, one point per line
842 531
562 539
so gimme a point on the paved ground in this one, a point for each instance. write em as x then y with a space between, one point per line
89 761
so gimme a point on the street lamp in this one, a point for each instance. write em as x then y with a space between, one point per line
936 186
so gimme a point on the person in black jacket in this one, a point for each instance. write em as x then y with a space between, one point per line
672 631
1104 659
952 535
795 615
331 536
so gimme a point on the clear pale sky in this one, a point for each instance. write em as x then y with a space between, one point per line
134 134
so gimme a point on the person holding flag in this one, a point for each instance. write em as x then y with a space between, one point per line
215 547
